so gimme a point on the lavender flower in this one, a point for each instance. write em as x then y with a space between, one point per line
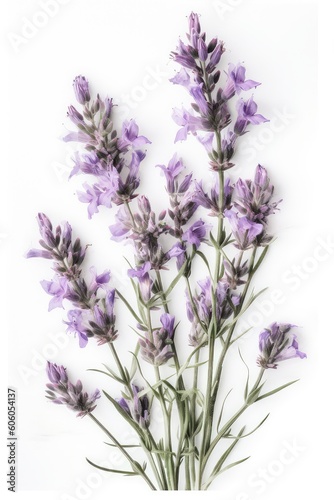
113 160
234 273
236 81
98 280
179 251
254 198
196 233
156 348
247 114
172 172
211 202
58 288
62 391
141 406
276 344
145 281
244 230
201 317
129 139
77 325
136 407
102 326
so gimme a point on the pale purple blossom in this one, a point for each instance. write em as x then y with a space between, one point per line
179 252
144 279
98 280
171 172
129 138
247 113
236 81
277 344
244 230
58 288
196 234
76 324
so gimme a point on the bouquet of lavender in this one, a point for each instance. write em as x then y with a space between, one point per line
221 228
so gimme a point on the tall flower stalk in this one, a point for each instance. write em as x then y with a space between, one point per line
222 227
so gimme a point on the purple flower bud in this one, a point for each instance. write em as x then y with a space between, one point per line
194 24
141 406
202 50
215 57
61 391
81 89
124 405
56 373
75 116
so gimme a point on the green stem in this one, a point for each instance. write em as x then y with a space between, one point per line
161 480
233 419
134 464
212 331
193 420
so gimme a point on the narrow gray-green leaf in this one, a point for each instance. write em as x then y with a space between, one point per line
270 393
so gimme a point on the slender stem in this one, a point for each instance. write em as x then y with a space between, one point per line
183 408
161 480
212 332
159 460
193 420
233 419
133 463
126 203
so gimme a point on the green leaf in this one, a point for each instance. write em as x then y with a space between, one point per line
203 257
115 471
222 409
134 314
176 279
217 469
260 260
270 393
123 445
247 380
253 395
150 387
251 432
133 368
111 375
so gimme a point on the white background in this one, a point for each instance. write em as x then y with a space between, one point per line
116 45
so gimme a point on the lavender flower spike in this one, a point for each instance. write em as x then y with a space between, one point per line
156 348
136 407
277 344
244 230
61 391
